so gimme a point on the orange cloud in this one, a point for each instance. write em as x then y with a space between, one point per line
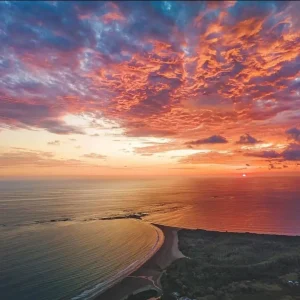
218 69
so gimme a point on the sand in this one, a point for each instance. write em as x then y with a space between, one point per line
148 275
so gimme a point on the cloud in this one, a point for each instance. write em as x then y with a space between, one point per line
142 131
24 115
212 157
159 147
247 139
294 133
214 139
54 143
94 156
58 127
290 153
224 66
37 159
273 167
264 154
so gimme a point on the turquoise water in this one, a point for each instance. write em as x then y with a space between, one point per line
53 245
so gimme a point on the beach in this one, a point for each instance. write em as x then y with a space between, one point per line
257 266
148 275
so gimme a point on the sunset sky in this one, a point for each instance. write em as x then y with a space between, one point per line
149 88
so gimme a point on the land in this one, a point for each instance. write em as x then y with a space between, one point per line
147 278
234 266
208 265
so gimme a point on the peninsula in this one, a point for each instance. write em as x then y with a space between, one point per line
208 265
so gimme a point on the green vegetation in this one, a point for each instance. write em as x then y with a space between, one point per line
234 266
143 295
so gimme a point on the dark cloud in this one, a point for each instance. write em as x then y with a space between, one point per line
294 133
26 115
264 154
58 127
214 139
45 25
247 139
291 153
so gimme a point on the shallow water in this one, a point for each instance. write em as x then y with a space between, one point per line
76 259
73 256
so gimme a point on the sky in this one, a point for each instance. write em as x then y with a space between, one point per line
149 88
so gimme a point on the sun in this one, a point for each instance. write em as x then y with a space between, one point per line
244 175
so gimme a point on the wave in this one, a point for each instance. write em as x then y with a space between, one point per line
103 286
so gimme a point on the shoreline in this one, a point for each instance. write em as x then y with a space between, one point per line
115 281
147 275
235 265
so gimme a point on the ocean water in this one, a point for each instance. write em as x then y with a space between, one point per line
54 245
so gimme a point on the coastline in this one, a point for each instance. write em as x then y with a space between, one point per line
234 266
147 275
128 271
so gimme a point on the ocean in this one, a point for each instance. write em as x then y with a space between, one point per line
56 245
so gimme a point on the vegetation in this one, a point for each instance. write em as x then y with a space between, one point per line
234 266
